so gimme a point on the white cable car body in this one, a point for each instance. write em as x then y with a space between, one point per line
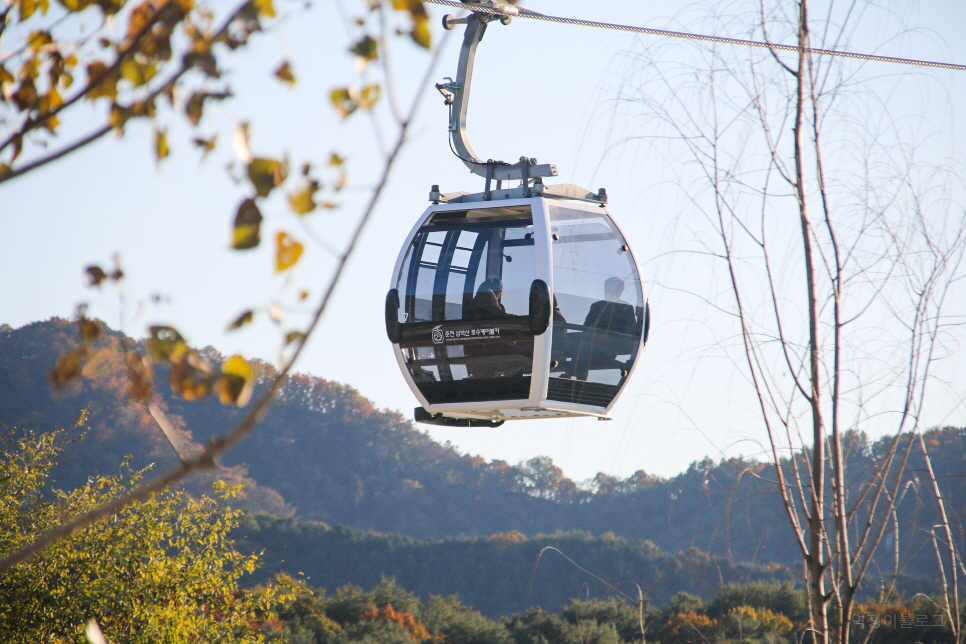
513 303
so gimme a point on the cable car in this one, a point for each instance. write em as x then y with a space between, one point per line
517 302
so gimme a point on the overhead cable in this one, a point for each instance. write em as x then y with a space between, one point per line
479 8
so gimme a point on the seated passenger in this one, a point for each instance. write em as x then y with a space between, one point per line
611 330
612 313
496 357
487 305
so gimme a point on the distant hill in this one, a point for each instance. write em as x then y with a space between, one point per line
499 574
323 453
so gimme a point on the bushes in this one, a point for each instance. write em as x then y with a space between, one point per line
161 570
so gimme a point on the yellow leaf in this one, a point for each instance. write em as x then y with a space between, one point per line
206 145
30 69
161 143
137 73
90 329
26 97
68 368
38 39
191 375
109 7
237 366
236 384
54 99
368 97
335 159
164 343
139 375
303 295
342 101
265 8
95 275
248 223
51 123
420 33
119 116
266 175
242 320
294 336
103 83
287 252
417 9
284 73
188 382
139 18
5 79
194 108
366 48
303 201
27 9
233 390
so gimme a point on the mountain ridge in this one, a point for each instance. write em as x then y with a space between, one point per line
324 453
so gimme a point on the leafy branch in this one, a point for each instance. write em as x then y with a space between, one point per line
96 79
199 57
208 457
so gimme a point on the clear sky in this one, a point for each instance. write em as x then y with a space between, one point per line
541 90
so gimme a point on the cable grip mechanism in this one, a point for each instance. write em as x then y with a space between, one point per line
456 95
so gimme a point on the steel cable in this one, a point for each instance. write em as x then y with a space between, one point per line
683 34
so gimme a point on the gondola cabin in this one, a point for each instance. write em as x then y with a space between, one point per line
513 309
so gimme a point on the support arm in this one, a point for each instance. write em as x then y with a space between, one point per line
457 97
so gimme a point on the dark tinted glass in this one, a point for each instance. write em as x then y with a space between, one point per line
599 301
464 292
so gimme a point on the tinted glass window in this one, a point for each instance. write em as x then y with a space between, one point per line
598 315
464 291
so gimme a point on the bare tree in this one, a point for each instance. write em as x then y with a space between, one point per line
837 251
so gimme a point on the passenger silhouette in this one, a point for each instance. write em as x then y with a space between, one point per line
610 331
612 313
486 305
495 358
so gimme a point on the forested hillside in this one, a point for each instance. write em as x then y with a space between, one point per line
754 613
324 453
497 575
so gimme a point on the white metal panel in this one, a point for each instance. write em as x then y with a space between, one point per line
543 253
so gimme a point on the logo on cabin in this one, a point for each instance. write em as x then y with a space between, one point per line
438 334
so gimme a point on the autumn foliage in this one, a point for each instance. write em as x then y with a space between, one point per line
416 630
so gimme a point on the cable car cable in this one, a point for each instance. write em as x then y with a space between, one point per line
479 8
